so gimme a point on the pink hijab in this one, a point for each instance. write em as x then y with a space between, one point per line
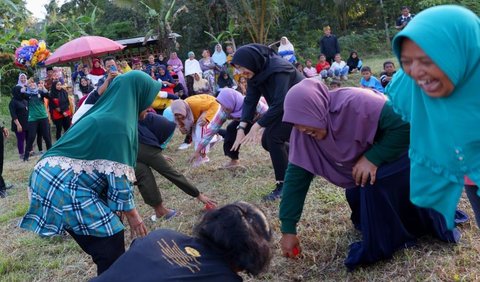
181 107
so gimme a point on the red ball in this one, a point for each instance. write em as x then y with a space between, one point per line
295 251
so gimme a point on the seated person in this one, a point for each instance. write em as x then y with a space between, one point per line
309 70
164 77
354 139
388 72
231 105
154 131
339 68
224 80
200 85
354 63
213 254
323 67
370 81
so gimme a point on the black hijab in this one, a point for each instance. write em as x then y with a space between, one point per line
261 60
353 62
224 82
86 89
16 93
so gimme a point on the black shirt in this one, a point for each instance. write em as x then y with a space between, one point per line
166 255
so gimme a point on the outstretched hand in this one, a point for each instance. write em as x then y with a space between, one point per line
290 246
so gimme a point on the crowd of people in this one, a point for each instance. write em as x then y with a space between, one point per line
402 175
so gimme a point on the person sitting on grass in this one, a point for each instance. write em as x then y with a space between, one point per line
231 102
354 63
323 67
309 70
154 131
229 240
370 81
334 84
193 115
339 68
388 72
354 139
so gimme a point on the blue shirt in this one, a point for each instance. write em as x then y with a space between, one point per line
373 83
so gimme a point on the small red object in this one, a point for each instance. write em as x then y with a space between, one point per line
209 206
295 251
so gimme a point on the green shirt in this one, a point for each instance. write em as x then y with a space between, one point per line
391 141
36 107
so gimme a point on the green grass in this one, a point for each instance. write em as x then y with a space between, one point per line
325 229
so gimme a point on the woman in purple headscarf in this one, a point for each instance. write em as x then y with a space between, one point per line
177 65
231 102
354 139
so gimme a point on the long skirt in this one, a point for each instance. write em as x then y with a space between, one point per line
387 219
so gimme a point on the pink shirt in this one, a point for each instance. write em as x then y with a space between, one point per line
468 181
310 72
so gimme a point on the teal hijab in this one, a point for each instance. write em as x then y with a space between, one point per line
108 131
445 135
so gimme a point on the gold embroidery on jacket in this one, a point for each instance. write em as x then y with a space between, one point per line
174 255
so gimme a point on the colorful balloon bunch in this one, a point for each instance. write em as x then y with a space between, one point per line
31 53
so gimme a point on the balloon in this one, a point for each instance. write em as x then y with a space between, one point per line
42 46
41 57
24 43
33 42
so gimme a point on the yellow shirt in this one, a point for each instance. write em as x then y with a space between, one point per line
203 103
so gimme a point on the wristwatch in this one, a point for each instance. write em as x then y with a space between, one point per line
241 127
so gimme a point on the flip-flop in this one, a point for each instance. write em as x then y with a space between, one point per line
171 214
461 217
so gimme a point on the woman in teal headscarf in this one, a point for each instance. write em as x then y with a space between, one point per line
437 92
87 176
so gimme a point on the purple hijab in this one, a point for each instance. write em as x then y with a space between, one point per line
350 116
231 100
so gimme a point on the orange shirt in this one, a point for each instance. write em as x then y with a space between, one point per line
203 103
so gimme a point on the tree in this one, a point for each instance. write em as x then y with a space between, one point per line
161 16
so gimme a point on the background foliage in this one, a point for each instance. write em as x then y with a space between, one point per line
360 25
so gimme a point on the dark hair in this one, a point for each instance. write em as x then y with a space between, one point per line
405 7
209 53
366 68
335 82
108 58
321 55
308 60
388 63
241 232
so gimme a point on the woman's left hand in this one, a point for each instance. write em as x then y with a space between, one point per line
362 170
137 227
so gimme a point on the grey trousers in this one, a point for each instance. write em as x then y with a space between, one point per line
151 157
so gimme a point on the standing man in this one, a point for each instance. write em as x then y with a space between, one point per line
404 19
329 45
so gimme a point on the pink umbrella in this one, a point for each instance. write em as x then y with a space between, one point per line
84 46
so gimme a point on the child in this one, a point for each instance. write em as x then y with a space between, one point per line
370 81
335 84
309 70
354 63
388 72
339 68
299 67
323 67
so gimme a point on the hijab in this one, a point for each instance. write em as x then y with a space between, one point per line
353 61
174 61
155 129
166 76
54 93
181 107
86 89
444 137
108 131
200 84
350 116
19 82
224 82
232 100
96 70
262 61
219 57
286 47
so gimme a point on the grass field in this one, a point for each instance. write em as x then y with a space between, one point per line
325 229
